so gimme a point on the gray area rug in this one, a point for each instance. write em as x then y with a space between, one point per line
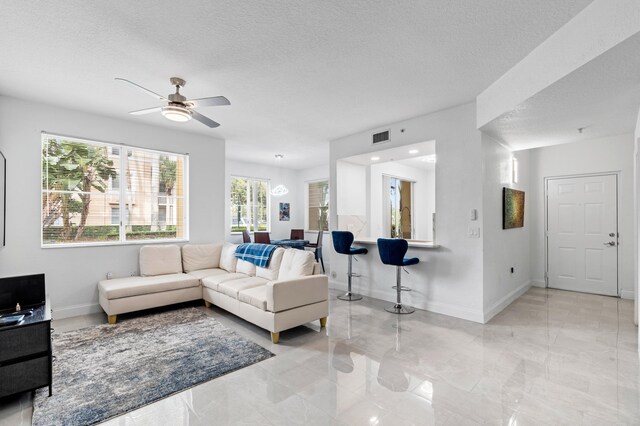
105 371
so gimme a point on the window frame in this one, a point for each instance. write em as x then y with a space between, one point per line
268 207
307 205
123 149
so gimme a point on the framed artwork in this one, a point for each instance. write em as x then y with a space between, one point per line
285 214
512 208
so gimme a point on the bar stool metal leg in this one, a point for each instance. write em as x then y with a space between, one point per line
399 308
349 296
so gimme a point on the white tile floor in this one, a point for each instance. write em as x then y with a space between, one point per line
552 357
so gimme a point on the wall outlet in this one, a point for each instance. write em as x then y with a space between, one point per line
473 232
109 275
333 274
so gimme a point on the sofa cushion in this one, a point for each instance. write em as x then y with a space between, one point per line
245 267
295 264
271 271
255 296
231 288
204 273
160 260
135 286
212 282
200 256
228 258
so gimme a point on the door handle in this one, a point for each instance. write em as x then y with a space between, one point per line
610 243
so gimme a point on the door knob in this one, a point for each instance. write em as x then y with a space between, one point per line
612 234
610 243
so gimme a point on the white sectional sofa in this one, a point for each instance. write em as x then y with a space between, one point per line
289 292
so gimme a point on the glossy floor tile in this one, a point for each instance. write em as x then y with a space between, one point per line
551 357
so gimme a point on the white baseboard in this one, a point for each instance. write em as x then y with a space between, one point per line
436 307
540 284
506 301
76 310
628 294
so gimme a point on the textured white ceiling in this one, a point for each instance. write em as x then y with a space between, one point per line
602 97
298 73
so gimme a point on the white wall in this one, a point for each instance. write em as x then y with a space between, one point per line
504 248
351 189
636 180
612 154
276 176
72 273
449 279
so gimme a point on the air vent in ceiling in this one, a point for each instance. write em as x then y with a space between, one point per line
380 137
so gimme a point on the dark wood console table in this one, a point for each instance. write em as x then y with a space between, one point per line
25 348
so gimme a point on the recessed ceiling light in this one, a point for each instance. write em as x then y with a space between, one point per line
375 158
429 158
279 156
413 151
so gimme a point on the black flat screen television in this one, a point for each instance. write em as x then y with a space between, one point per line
27 290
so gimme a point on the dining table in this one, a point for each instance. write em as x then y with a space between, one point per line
299 244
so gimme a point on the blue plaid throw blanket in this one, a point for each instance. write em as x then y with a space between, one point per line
258 254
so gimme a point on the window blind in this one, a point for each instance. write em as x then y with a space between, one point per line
83 201
318 205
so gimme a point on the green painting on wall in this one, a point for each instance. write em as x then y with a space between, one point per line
512 208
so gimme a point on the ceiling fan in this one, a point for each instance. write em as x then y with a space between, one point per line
178 107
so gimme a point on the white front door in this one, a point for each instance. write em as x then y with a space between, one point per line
582 234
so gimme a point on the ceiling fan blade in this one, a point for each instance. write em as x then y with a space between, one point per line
214 101
146 111
204 120
147 91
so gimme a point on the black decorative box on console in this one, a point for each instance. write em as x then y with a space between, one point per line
25 347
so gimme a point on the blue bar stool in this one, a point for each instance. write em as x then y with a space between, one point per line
392 251
342 244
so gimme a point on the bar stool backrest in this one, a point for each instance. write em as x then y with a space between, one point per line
246 238
342 241
392 250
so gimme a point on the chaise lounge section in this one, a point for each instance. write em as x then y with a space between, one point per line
287 293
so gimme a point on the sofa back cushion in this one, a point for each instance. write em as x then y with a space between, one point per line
228 259
271 271
296 263
196 257
160 260
247 268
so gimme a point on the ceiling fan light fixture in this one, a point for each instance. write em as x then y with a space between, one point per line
176 113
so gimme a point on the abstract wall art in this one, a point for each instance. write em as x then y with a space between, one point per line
512 208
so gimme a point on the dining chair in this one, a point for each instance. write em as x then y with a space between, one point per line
317 246
261 238
246 238
297 234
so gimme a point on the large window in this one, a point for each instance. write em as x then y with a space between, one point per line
249 204
318 205
96 193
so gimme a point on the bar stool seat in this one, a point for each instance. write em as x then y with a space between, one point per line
392 251
342 241
410 261
357 250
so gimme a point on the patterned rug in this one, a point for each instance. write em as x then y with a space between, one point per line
105 371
